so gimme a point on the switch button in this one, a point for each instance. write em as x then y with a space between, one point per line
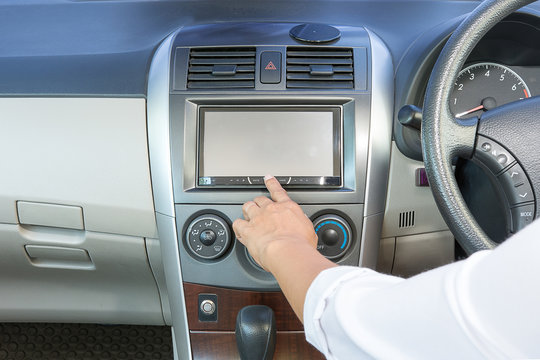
270 67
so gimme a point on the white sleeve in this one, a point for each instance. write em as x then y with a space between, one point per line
486 307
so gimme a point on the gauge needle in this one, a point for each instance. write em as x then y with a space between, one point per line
470 111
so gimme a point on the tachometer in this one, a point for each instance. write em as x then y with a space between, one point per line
484 86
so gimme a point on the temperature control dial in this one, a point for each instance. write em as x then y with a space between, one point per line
208 236
334 235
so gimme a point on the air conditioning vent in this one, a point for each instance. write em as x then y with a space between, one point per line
406 219
221 68
320 68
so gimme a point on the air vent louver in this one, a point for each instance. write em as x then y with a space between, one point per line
221 68
406 219
320 68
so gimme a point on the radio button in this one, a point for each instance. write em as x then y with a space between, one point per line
256 180
297 180
283 180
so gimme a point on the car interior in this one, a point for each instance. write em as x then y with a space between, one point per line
132 131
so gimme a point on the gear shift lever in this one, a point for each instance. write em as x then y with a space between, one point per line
256 333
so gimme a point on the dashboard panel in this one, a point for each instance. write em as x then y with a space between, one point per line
511 43
108 214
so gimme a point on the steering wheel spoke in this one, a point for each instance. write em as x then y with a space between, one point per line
463 138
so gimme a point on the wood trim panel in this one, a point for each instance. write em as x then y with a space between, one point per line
290 345
231 301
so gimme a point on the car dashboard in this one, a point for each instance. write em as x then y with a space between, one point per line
133 132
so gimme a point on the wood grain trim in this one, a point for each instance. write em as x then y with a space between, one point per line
290 345
231 301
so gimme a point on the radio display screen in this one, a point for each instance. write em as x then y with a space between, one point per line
300 145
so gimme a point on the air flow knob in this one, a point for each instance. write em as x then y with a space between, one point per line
208 236
334 235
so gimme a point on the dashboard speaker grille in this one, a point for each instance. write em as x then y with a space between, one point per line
221 68
320 68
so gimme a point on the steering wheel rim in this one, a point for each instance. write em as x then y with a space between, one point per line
445 137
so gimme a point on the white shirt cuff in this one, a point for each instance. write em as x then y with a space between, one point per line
323 289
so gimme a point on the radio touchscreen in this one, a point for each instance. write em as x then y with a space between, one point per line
301 146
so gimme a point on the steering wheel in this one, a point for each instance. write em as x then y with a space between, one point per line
499 139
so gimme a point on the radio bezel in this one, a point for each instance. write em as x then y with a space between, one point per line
297 182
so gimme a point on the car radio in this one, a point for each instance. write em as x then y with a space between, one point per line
300 145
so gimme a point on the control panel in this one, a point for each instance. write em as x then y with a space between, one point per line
211 255
512 178
208 237
227 96
334 234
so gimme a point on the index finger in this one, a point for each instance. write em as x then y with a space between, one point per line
277 193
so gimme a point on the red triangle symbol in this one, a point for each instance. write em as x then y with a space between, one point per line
270 66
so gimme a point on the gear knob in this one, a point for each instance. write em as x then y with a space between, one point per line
256 332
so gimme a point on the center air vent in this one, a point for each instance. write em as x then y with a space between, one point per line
320 68
221 68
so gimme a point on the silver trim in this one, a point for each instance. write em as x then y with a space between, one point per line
210 303
158 128
379 146
161 173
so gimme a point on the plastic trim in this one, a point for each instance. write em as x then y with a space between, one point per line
158 128
161 172
380 139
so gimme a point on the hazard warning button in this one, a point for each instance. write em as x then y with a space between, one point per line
270 67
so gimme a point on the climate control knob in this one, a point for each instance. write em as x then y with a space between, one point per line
334 234
208 236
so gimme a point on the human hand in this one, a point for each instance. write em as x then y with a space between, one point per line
271 226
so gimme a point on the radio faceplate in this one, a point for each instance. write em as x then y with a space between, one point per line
346 145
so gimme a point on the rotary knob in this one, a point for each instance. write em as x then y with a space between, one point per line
334 234
208 237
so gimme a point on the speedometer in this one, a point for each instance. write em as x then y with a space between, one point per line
484 86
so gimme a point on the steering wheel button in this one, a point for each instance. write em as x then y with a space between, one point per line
521 194
516 185
492 155
522 216
502 159
486 146
513 177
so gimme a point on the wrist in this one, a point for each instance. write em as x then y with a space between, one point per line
278 252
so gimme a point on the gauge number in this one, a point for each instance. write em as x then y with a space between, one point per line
484 86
